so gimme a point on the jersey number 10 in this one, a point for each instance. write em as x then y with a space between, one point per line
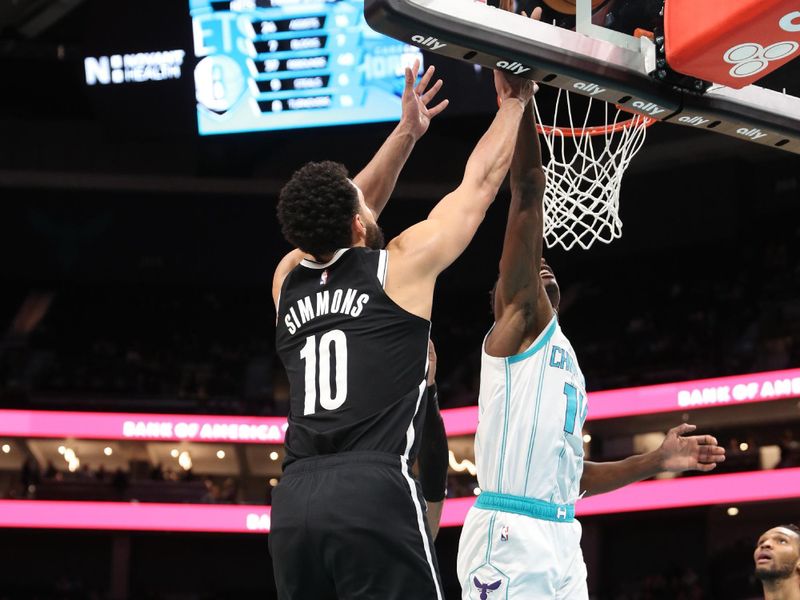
336 340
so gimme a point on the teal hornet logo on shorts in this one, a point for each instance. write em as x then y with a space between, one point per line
486 588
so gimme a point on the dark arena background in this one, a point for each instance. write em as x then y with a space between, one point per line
141 401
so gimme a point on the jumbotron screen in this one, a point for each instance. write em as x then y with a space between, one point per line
282 64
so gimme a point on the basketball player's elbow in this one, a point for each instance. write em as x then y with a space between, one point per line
586 491
488 175
518 293
475 198
530 188
531 181
589 483
485 192
497 174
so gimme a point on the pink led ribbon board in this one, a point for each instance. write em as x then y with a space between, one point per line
145 427
649 495
654 495
700 393
669 397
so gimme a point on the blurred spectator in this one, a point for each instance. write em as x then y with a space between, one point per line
30 473
120 481
229 492
84 472
157 473
213 493
790 450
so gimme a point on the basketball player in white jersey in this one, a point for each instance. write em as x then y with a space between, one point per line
520 541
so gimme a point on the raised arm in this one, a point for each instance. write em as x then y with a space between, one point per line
677 453
430 246
520 303
378 178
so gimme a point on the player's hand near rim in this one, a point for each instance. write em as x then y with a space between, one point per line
421 252
536 15
520 303
417 256
522 310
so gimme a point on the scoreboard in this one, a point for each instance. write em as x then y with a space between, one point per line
282 64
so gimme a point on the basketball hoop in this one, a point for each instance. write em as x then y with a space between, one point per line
581 198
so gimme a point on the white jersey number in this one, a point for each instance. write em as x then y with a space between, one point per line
336 339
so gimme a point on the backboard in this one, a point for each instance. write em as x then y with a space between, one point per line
591 60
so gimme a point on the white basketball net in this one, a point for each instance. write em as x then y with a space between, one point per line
584 173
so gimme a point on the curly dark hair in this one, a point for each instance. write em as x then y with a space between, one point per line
316 207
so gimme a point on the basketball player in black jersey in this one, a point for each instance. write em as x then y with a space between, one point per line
352 331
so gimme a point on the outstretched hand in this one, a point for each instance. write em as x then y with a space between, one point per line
416 113
511 86
690 453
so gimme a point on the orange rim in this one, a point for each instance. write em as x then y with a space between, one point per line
594 130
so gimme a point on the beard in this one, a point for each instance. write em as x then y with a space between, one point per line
774 573
374 238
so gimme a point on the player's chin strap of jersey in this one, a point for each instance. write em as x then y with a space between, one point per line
433 457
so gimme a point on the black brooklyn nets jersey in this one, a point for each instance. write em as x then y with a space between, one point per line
356 361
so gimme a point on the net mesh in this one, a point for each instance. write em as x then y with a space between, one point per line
585 170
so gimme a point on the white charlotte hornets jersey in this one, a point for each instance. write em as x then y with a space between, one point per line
531 411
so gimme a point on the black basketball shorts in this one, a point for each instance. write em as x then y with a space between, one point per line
351 526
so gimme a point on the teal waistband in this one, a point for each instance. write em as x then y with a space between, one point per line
530 507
